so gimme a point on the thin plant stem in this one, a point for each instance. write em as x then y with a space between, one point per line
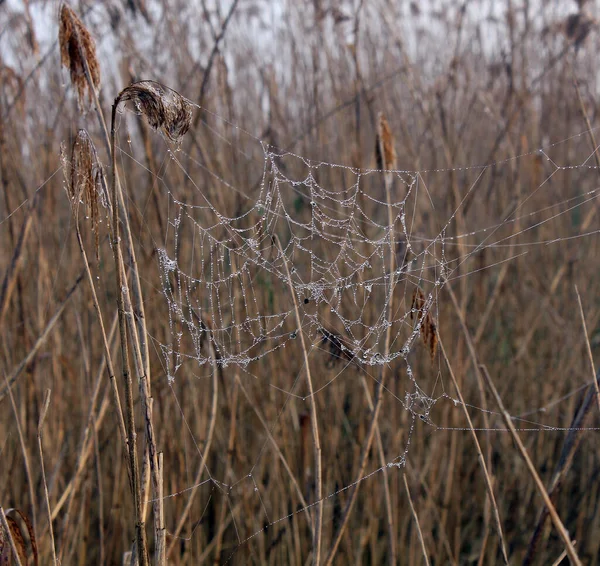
130 419
562 532
44 410
204 455
588 347
480 456
416 518
317 533
25 455
379 388
14 375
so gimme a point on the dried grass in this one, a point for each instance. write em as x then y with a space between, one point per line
78 53
165 109
84 176
527 308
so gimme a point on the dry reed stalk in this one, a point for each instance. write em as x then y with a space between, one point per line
183 517
86 61
480 385
560 273
588 347
490 303
570 445
590 129
384 151
438 515
318 526
141 543
86 442
387 152
25 453
233 407
153 173
563 269
562 556
168 111
562 532
76 50
13 376
572 440
218 38
488 480
416 518
12 272
84 176
78 53
200 559
162 533
43 412
85 454
228 466
386 483
267 429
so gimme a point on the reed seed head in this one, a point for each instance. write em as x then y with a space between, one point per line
165 109
83 173
385 152
78 51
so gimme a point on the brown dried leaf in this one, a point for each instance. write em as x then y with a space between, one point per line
18 539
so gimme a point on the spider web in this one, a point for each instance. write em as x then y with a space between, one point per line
239 255
328 241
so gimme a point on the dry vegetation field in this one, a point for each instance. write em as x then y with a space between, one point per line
334 299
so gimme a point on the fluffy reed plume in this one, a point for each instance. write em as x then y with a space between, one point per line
165 109
83 173
78 52
428 327
385 151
